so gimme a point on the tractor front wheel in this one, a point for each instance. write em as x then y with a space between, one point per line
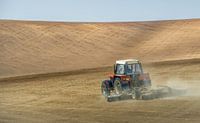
117 86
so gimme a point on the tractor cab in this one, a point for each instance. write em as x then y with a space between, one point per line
129 72
127 67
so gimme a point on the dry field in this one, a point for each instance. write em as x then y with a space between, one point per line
77 99
45 47
170 51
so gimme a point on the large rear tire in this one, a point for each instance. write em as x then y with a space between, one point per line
137 93
117 86
104 90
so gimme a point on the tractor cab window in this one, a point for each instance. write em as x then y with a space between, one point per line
120 69
138 68
130 68
133 69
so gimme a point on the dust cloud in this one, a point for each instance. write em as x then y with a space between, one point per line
191 87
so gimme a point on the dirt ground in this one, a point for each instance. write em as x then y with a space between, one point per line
77 98
29 47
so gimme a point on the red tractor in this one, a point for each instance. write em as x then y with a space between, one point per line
128 79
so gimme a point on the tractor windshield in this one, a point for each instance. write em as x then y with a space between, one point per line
134 68
119 69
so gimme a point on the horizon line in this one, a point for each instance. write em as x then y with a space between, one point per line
62 21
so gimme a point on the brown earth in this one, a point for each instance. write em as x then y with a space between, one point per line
170 50
45 47
77 99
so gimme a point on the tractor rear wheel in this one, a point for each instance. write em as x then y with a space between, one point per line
137 93
117 86
104 90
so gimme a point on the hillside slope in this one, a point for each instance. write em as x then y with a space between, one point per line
45 47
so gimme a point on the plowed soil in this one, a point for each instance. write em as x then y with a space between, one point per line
77 98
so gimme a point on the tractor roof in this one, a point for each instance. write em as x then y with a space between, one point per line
128 61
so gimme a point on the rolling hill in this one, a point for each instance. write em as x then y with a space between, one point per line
28 47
